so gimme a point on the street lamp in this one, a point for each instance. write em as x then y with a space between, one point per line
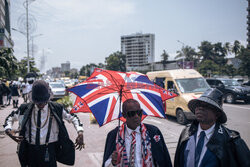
32 40
183 53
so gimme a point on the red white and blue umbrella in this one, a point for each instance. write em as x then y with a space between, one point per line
105 91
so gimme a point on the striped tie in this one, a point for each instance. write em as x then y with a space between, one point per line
132 150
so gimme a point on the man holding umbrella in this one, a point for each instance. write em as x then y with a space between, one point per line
43 136
135 143
206 142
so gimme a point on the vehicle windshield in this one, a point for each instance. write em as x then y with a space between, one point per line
57 85
192 85
230 82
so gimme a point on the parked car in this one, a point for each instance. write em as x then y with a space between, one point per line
231 89
246 83
58 89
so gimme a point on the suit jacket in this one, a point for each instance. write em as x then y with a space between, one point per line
159 149
222 148
65 151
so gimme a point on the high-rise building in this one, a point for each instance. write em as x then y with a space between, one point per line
5 34
248 25
139 50
65 66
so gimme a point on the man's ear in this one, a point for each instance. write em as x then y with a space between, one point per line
124 114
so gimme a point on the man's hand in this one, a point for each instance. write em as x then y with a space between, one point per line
79 144
114 157
12 135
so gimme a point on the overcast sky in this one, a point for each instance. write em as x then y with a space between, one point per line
87 31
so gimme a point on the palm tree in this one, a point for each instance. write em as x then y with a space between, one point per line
164 57
236 47
188 53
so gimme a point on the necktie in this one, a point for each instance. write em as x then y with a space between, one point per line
38 127
199 147
132 150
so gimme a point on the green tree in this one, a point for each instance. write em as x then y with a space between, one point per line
164 57
236 47
116 61
8 63
244 56
23 67
188 54
208 65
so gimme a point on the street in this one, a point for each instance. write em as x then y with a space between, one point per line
95 136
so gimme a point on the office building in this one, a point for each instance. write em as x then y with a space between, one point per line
65 66
5 34
139 50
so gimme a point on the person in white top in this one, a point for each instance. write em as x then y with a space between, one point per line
43 137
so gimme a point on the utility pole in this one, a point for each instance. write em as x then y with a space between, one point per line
27 34
183 53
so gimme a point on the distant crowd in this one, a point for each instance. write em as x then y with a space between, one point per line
10 91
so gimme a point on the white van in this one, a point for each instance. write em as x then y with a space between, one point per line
187 83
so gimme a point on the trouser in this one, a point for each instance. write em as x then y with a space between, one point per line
15 101
37 155
5 100
25 97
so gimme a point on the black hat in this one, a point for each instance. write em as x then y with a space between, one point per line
212 97
40 92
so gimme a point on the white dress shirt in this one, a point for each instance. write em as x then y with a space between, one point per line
208 134
44 124
138 149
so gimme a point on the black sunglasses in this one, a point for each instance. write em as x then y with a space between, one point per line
132 113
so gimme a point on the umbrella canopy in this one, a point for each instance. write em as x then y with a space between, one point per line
80 106
105 91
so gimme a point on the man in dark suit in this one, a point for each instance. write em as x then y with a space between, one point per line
43 136
206 142
135 143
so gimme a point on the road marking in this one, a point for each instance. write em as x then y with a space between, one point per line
229 105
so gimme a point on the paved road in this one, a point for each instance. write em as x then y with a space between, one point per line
95 136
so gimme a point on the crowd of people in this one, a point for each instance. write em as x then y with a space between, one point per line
43 138
10 91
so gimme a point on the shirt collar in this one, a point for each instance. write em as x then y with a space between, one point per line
208 132
45 108
129 131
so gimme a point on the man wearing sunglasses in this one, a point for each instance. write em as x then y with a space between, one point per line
43 138
206 142
135 144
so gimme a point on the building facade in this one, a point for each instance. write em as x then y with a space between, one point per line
5 33
65 66
248 25
139 50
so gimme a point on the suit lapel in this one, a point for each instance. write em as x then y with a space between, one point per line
28 112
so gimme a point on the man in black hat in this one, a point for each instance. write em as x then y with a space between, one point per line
43 136
206 142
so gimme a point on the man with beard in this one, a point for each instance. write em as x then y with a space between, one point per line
206 142
134 143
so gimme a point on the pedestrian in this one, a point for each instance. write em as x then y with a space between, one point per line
43 136
1 94
135 143
14 94
24 87
5 93
207 142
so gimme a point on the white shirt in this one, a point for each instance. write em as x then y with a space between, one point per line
44 130
208 133
128 140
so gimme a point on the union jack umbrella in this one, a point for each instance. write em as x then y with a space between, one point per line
105 91
80 106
